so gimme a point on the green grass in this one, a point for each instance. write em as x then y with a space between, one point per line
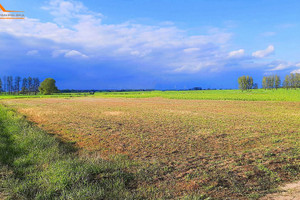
253 95
57 95
34 165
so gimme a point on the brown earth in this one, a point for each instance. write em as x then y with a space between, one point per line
233 149
290 191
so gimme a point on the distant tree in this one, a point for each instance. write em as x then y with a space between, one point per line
1 89
17 84
197 88
48 86
249 82
286 82
36 85
294 80
264 83
270 82
10 86
24 86
255 86
242 82
30 85
277 82
297 75
245 82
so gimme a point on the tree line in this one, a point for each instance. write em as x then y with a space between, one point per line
17 85
271 82
246 83
291 81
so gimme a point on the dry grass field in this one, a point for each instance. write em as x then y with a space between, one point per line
237 149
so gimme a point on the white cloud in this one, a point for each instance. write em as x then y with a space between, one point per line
32 53
68 54
296 71
281 66
236 54
75 54
263 53
65 11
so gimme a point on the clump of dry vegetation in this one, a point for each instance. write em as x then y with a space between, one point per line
182 148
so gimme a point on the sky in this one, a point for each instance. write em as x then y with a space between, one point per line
150 44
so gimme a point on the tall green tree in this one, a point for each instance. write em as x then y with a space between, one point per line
270 82
10 86
245 82
286 82
24 86
264 83
1 89
297 80
241 81
36 85
30 85
277 82
249 82
48 86
17 84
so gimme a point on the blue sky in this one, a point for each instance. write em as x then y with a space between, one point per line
151 44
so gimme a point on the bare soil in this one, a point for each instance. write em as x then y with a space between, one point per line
290 191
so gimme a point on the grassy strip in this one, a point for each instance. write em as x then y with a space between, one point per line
252 95
57 95
34 165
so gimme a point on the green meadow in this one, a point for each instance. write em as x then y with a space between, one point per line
251 95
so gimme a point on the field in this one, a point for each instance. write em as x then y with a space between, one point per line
57 95
252 95
180 148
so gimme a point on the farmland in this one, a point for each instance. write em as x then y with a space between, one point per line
182 148
251 95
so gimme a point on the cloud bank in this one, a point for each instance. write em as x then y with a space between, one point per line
80 35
